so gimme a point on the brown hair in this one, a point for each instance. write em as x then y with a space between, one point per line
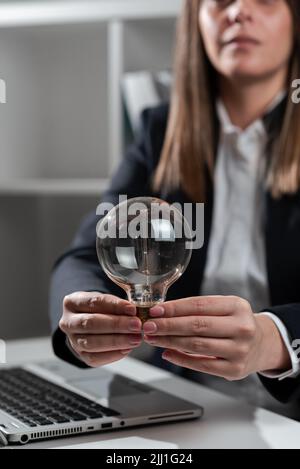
189 149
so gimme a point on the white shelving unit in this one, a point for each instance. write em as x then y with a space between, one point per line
44 12
115 15
61 130
53 187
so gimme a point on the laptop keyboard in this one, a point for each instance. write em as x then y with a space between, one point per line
35 401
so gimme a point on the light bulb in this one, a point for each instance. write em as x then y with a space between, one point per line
143 246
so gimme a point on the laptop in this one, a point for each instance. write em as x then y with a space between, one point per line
54 399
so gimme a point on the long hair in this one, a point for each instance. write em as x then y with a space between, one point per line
188 154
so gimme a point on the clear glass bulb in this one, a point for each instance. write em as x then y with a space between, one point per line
143 246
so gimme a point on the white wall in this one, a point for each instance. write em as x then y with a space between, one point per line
54 123
20 131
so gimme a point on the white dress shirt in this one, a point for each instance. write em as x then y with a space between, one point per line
236 262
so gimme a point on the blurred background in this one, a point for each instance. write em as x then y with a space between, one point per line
77 75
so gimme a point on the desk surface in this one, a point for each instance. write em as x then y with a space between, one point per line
227 423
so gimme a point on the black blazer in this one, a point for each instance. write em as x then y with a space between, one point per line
78 269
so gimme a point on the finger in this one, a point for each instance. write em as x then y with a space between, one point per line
96 360
215 367
99 324
105 343
199 305
217 327
220 348
86 302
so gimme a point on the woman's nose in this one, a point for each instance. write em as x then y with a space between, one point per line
240 11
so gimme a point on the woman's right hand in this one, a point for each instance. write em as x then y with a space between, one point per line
101 328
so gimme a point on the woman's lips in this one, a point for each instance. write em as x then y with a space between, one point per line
241 41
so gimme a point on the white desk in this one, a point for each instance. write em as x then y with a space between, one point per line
226 424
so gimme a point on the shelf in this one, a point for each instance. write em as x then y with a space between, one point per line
53 187
25 13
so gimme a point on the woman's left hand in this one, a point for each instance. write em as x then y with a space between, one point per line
218 335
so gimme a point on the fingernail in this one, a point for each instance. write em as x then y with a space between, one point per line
84 324
126 352
130 310
150 327
82 342
135 325
157 311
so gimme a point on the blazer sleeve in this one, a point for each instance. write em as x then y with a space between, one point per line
78 269
288 389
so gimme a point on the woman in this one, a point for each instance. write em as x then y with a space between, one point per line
229 139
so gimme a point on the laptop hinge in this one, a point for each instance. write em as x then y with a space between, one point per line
3 439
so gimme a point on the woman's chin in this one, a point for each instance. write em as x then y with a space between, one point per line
243 74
